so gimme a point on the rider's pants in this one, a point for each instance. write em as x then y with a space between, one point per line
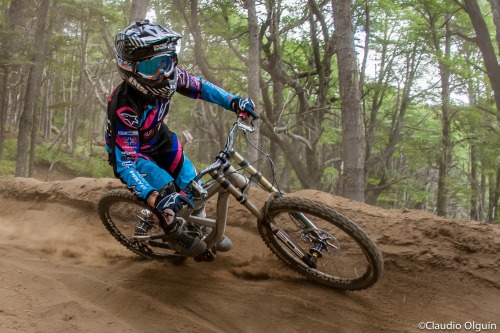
166 164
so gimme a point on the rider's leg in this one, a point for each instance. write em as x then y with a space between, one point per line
154 174
172 159
186 174
176 236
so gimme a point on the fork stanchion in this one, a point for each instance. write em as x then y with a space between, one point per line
257 176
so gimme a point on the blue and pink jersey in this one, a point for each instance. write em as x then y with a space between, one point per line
140 144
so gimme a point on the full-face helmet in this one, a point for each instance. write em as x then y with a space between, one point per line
147 59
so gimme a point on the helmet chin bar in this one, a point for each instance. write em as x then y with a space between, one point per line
166 91
163 89
135 84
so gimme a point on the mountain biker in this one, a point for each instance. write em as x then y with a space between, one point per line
145 154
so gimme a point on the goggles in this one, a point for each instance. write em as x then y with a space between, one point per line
152 68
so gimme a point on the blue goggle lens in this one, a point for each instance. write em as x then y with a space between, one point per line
152 68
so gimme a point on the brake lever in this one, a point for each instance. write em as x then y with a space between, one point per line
246 128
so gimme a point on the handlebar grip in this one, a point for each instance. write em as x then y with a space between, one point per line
242 114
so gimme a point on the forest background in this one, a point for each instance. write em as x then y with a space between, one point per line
397 98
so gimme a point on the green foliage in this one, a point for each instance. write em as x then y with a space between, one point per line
331 134
399 30
10 149
8 163
86 164
330 178
7 169
407 193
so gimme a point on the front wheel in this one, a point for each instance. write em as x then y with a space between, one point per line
337 253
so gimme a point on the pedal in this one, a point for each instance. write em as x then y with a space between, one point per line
206 256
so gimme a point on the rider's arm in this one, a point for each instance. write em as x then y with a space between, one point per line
196 87
126 152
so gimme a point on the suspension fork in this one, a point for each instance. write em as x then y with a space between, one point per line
308 257
256 175
318 247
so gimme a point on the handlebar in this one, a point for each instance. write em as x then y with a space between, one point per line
224 154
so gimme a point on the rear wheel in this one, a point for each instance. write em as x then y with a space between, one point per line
338 254
120 212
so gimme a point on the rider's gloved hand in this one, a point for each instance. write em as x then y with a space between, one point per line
244 105
172 203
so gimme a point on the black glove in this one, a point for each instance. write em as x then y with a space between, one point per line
172 203
244 105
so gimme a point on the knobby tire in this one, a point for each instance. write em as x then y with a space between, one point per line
357 265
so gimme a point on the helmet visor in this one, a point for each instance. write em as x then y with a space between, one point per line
153 68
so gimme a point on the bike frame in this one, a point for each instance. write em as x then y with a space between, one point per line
224 186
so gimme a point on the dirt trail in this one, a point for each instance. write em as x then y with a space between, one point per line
61 272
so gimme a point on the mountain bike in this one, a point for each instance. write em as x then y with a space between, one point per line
311 238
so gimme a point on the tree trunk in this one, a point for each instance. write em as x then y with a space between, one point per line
139 10
485 45
494 194
199 53
482 195
8 47
3 106
273 104
32 89
474 195
446 142
80 92
352 173
253 71
495 10
34 129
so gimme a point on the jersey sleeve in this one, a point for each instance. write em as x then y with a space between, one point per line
126 152
193 86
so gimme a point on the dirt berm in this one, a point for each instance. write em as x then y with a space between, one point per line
60 271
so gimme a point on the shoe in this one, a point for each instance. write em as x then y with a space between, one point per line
223 245
183 243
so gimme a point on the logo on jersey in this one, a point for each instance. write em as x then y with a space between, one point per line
162 108
130 141
129 118
149 133
128 133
